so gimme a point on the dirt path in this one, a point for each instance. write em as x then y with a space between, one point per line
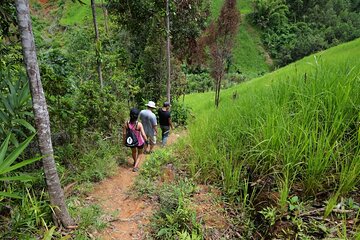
129 214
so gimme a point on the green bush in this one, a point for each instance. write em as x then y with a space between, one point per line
175 215
202 82
179 113
294 29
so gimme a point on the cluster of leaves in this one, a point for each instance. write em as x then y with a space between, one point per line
294 29
199 82
175 216
15 106
77 103
7 17
79 110
144 22
179 113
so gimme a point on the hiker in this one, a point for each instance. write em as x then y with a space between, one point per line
165 122
149 122
138 130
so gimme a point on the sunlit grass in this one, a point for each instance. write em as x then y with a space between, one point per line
300 124
76 13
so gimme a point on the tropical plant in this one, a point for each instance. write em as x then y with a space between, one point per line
15 107
8 165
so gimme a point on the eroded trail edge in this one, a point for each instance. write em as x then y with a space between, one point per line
127 214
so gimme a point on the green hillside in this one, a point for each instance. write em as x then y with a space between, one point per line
296 129
249 58
76 13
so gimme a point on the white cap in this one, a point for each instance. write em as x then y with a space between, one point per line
151 104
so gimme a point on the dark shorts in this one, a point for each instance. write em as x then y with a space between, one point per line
139 147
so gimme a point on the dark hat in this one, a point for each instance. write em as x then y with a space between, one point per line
166 104
134 112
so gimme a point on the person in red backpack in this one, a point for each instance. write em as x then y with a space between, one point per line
138 129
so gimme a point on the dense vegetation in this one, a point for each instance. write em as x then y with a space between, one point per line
294 29
294 132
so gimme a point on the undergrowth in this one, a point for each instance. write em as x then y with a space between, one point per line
293 132
174 218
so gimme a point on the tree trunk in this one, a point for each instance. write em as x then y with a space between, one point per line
105 11
41 114
97 43
217 92
168 85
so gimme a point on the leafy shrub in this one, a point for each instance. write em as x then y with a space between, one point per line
15 107
175 215
294 29
97 108
270 13
201 82
179 113
29 216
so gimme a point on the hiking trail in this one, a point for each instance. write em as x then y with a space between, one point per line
129 214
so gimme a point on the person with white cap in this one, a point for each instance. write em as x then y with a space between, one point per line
148 119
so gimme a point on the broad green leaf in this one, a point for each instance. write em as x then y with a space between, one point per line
24 95
3 149
22 178
15 154
3 117
18 165
13 139
7 106
49 233
25 124
11 87
9 195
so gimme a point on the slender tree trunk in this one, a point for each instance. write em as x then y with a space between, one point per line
97 43
168 84
105 11
41 114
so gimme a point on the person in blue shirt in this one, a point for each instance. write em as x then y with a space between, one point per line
148 119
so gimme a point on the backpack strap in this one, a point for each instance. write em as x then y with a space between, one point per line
128 125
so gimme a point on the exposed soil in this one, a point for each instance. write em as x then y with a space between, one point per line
129 214
210 212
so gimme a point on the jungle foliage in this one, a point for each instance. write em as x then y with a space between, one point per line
295 29
86 118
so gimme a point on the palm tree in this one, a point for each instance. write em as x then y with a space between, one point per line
41 114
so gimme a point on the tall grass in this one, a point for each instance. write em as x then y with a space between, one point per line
76 13
300 123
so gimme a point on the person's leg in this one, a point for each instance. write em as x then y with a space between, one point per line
146 146
134 154
165 134
162 135
152 143
140 156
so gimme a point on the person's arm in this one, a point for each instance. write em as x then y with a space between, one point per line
154 124
141 128
124 132
170 124
155 129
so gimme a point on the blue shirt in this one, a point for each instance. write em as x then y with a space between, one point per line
148 119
